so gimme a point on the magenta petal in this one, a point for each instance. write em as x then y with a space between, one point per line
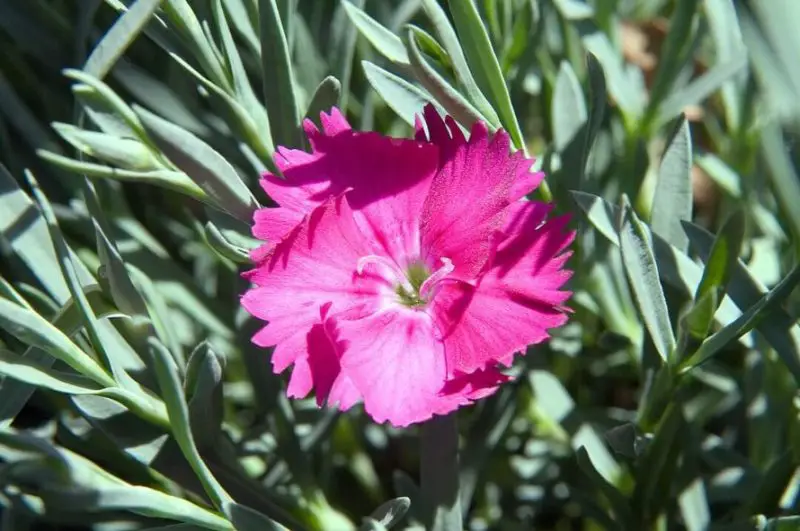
331 385
334 123
394 359
341 392
531 258
311 272
469 198
272 224
293 198
525 183
314 355
487 325
314 266
386 181
517 301
476 385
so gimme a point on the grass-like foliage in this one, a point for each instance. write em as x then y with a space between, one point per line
132 137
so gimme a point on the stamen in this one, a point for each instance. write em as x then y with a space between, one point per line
370 259
437 277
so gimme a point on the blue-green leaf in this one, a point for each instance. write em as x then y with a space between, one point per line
747 322
444 93
450 42
203 165
673 195
389 513
325 97
404 98
483 63
117 39
32 329
386 42
276 69
642 272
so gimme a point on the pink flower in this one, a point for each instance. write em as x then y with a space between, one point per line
404 273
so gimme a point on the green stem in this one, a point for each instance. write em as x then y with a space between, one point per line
439 479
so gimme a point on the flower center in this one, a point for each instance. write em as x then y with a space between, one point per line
409 292
414 287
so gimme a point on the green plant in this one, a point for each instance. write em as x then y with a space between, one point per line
132 134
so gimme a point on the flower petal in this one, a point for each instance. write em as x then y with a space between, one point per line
332 124
314 354
476 385
386 181
444 132
469 196
394 359
331 385
272 224
517 301
310 273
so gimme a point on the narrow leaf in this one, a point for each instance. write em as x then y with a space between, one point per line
126 153
276 71
449 40
722 174
222 246
724 254
32 329
619 504
569 113
325 97
370 524
484 65
659 464
627 90
780 330
729 44
597 107
25 370
112 100
404 98
247 519
747 322
390 512
673 194
694 506
69 272
178 411
241 83
680 271
700 88
642 272
785 180
24 232
439 483
204 391
676 51
387 43
343 50
203 165
117 39
570 119
453 102
171 180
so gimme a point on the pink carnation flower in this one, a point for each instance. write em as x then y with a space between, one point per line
404 273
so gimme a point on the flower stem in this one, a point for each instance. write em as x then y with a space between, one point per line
439 473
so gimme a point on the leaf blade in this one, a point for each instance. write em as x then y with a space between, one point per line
673 194
642 272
